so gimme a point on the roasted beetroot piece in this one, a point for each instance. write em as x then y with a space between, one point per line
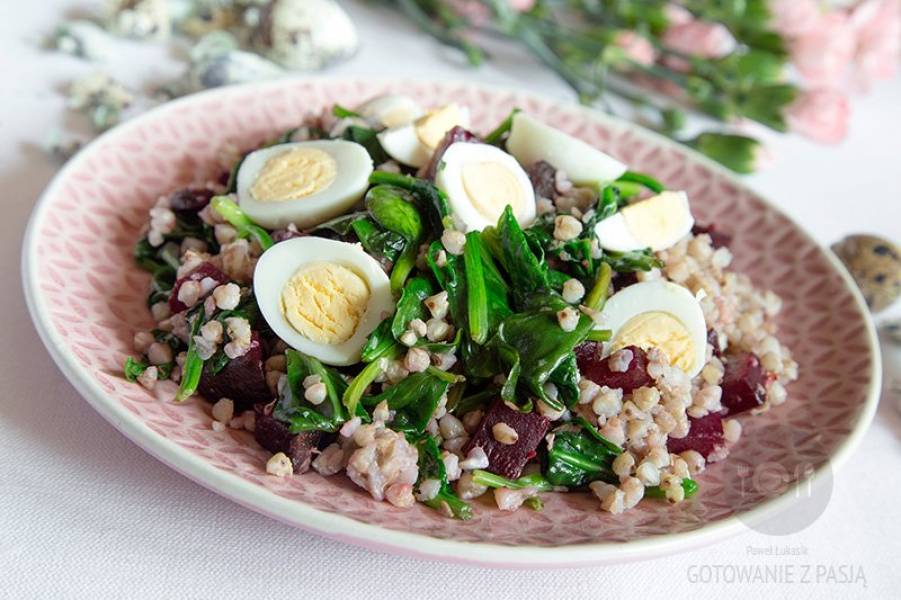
717 238
744 383
508 459
199 274
713 339
282 235
242 379
190 199
704 435
594 367
274 436
453 135
622 280
543 176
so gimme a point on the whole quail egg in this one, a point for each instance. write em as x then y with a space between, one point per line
875 264
305 34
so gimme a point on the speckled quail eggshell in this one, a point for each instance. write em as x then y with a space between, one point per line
306 34
278 264
354 166
875 264
531 141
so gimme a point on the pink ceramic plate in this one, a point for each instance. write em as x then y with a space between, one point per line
87 298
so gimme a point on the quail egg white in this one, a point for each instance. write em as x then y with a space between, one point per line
413 144
322 297
531 140
656 223
658 314
480 181
304 183
390 110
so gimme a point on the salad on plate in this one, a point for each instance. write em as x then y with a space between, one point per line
441 314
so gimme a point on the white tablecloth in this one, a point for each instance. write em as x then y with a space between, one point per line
85 513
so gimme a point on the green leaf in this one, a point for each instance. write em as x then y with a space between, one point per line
229 210
414 399
192 370
526 271
383 245
476 294
133 369
431 201
540 346
410 306
432 467
369 373
379 342
294 409
392 209
576 458
368 138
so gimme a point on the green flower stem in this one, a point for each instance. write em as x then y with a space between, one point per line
445 35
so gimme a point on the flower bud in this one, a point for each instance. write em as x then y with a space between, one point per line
740 153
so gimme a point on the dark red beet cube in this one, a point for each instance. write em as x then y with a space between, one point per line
704 435
713 339
543 176
243 379
453 135
190 199
274 436
623 280
595 367
282 235
717 238
744 383
202 272
508 460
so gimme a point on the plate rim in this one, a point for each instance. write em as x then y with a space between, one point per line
346 529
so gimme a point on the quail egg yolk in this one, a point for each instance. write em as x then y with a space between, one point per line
658 330
654 219
491 187
431 127
325 302
294 175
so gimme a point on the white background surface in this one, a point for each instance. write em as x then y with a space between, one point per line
86 514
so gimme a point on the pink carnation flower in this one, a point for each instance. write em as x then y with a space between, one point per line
792 18
636 47
823 54
700 38
821 115
878 27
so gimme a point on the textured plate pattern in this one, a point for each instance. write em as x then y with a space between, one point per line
92 296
